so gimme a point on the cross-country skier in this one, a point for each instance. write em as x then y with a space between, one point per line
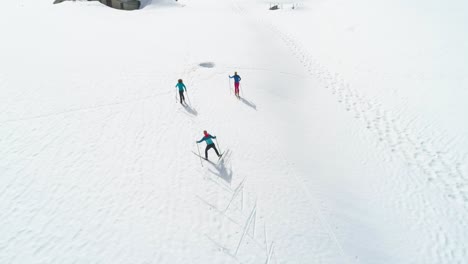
181 87
237 80
209 143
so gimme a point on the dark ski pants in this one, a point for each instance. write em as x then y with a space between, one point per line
208 147
181 96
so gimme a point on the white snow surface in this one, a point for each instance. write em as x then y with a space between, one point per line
349 144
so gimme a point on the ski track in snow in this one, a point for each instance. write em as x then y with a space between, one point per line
442 168
289 171
228 207
392 134
389 129
232 214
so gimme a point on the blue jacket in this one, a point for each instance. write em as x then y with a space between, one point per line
236 77
181 86
207 139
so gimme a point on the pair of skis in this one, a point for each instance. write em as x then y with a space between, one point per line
220 158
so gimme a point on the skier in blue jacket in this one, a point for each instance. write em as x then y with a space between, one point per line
209 144
181 87
237 80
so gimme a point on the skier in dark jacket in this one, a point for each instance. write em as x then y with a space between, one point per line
209 144
181 87
237 80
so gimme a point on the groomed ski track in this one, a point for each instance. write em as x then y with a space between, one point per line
99 168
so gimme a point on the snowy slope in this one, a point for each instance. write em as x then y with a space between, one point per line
348 145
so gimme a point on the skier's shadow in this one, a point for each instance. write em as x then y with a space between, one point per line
222 171
248 103
190 110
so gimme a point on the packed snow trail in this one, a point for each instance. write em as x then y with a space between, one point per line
445 180
431 187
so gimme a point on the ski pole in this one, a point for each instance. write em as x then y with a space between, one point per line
199 155
176 96
218 145
230 89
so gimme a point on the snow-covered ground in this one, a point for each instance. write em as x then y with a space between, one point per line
349 144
